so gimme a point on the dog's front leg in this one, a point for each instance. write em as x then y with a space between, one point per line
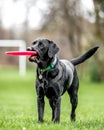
41 105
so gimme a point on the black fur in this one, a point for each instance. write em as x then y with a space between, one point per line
54 82
84 57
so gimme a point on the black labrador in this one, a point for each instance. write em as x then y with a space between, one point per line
55 76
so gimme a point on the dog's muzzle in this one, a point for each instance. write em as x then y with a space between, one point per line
32 58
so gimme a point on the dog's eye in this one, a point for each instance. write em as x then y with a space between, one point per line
41 45
34 43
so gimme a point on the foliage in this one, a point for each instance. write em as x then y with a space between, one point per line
94 73
99 20
65 17
64 23
18 107
99 34
96 66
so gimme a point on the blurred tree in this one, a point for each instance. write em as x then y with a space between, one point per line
98 72
28 5
99 15
65 16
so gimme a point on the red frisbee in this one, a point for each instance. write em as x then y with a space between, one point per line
21 53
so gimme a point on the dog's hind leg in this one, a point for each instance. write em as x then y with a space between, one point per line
52 106
73 93
55 105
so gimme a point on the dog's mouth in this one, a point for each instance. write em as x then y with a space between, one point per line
34 58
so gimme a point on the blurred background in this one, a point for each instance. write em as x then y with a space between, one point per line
74 25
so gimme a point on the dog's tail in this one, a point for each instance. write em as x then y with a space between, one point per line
84 57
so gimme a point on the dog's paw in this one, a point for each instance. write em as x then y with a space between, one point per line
41 121
73 117
56 121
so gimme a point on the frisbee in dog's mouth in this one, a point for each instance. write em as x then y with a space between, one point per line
21 53
34 58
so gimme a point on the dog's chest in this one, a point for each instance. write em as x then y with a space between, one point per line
49 89
45 88
48 78
51 83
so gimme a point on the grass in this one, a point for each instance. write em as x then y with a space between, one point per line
18 105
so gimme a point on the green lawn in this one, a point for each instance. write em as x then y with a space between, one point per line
18 105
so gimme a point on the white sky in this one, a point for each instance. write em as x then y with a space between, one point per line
12 13
15 13
88 6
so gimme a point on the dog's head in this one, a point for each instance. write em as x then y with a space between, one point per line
45 49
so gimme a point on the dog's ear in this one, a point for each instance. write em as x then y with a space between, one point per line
53 49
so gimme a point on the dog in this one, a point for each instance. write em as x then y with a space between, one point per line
55 77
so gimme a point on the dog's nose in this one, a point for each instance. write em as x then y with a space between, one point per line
29 49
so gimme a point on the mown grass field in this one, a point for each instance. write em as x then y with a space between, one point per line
18 105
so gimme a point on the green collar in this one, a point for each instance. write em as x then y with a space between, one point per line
50 66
